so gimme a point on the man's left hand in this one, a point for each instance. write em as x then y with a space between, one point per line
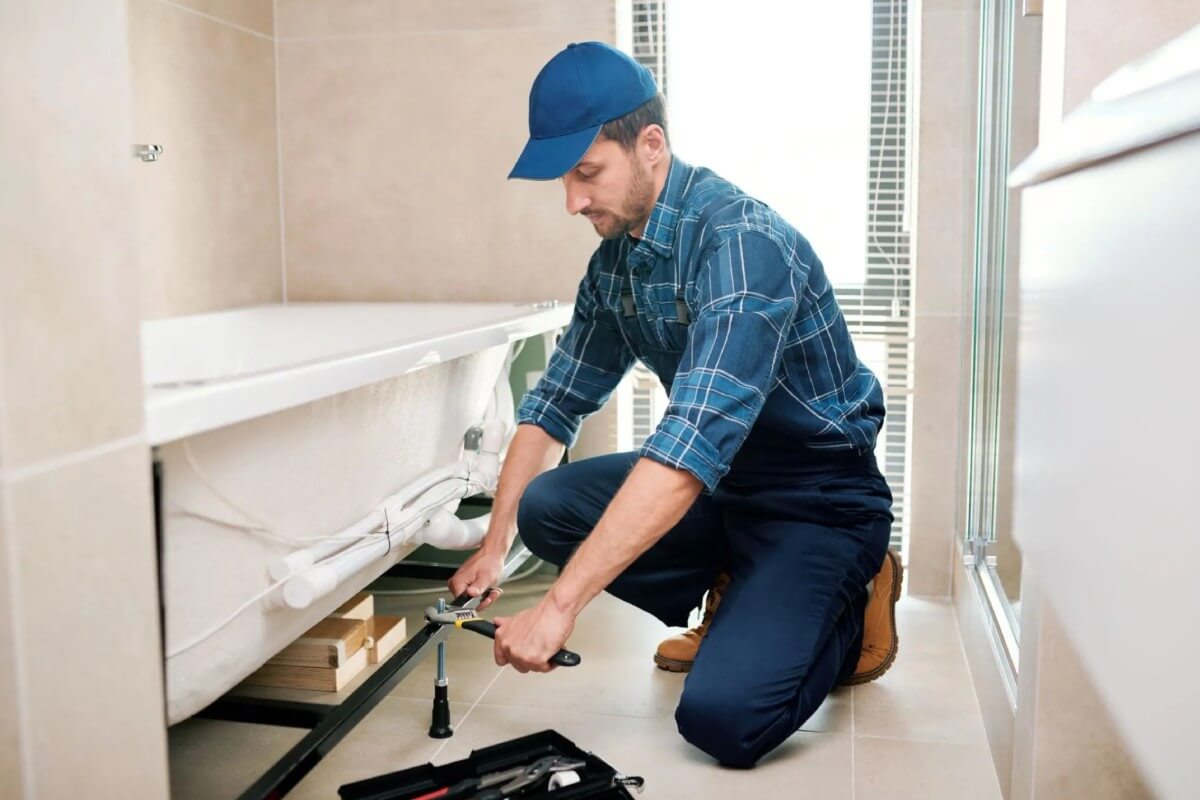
530 639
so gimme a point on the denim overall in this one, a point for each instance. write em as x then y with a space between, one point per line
800 532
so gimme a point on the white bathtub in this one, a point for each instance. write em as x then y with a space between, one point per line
300 419
210 370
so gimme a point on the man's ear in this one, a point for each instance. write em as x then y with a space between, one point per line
653 141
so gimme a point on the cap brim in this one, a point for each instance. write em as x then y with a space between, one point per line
547 159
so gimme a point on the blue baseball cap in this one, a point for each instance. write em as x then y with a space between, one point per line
580 89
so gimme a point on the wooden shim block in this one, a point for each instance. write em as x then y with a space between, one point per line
321 679
361 606
329 643
387 633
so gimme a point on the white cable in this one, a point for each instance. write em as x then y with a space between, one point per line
208 484
266 533
214 629
874 205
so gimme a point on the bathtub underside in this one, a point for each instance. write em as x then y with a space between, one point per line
303 472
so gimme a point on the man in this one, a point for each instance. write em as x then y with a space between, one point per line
759 483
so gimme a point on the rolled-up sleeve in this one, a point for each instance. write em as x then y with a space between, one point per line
590 360
747 297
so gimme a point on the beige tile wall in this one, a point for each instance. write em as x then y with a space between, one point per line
399 123
208 211
945 202
255 15
79 647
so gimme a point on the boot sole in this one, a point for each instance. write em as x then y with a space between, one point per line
897 585
672 665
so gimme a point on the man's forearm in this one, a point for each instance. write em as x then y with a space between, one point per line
653 498
532 452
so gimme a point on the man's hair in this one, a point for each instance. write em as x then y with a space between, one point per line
625 130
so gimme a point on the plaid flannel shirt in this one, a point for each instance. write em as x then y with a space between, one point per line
730 307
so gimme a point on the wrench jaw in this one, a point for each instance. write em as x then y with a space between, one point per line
450 615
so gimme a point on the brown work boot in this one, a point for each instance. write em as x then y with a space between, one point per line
880 641
676 653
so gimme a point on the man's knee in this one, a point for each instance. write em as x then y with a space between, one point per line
721 725
538 518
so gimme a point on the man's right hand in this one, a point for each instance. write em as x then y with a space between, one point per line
477 573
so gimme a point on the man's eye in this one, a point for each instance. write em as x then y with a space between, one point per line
587 176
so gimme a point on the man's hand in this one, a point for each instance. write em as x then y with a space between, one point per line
476 574
530 639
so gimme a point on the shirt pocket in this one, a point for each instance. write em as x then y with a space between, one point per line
672 322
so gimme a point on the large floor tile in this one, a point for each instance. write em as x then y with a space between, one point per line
393 736
927 694
808 764
220 759
617 675
923 698
892 768
928 625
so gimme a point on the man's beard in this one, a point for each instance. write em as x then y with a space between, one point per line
635 207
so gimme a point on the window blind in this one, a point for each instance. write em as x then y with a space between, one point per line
877 311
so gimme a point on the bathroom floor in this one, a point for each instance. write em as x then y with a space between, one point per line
916 733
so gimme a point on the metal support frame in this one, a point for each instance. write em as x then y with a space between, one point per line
328 723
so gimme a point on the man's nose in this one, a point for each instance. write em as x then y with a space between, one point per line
576 200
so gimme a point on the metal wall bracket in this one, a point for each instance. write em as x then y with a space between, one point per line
148 152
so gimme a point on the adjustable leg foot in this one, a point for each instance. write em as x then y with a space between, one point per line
440 727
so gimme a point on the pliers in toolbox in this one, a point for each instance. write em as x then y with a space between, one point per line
506 783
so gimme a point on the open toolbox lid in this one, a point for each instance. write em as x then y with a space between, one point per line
1149 101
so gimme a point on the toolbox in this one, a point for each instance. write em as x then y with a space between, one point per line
501 771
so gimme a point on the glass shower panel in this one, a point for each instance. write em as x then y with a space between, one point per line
1007 118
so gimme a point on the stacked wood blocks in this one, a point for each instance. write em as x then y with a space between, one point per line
335 650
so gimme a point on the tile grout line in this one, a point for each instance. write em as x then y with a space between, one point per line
44 466
463 721
853 736
283 287
211 18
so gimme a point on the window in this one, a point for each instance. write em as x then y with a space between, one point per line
826 88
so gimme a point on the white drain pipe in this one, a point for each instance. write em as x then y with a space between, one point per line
302 559
316 571
304 588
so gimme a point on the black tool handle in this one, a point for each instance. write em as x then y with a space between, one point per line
563 658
